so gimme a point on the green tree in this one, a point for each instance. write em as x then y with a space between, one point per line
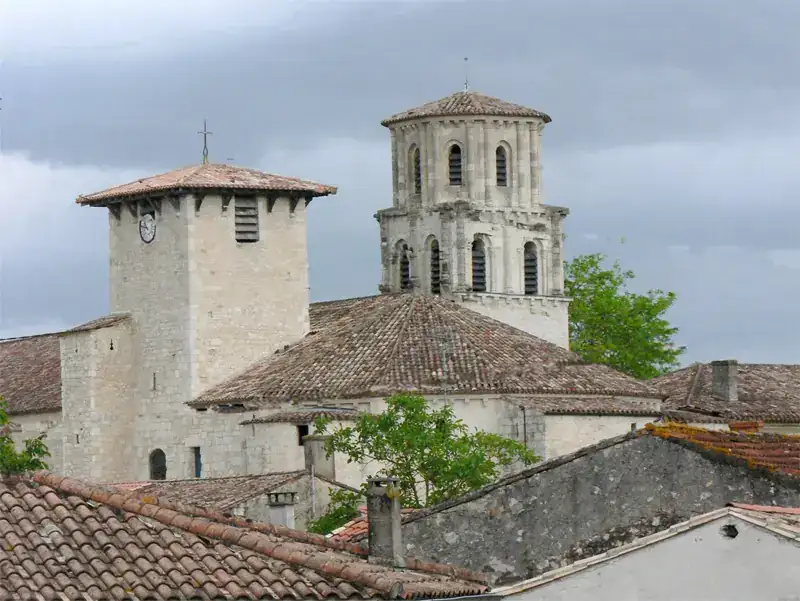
432 453
12 461
610 324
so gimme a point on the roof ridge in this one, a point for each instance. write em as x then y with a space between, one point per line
253 535
179 480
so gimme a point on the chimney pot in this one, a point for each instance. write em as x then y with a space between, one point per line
724 379
383 518
317 460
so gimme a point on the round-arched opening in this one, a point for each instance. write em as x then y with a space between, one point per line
478 266
501 166
158 465
531 267
454 164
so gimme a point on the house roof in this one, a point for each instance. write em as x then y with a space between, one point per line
305 415
208 177
65 538
782 521
767 392
466 103
106 321
30 373
769 454
395 342
220 494
357 528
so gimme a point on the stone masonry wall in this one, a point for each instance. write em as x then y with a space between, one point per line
31 425
99 424
522 526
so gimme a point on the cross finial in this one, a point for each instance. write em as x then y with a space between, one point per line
466 74
205 133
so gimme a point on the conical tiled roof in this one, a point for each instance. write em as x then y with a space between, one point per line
382 345
463 104
209 177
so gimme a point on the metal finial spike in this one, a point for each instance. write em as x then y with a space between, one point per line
205 133
466 74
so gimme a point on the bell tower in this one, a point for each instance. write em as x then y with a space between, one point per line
467 219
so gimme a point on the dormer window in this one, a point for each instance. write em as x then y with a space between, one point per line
501 163
454 164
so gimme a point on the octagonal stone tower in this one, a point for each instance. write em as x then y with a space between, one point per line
467 219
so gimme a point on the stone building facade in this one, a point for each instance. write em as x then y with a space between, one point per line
213 362
467 219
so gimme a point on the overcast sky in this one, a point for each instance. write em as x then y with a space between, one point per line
676 124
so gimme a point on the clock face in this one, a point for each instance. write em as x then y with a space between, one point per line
147 228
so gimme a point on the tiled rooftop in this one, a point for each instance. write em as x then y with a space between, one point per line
30 373
462 104
394 343
65 539
765 392
357 528
99 323
774 452
220 494
305 415
208 177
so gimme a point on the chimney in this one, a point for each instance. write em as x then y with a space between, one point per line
383 518
317 461
724 377
281 508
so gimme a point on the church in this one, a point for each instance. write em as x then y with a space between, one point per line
213 362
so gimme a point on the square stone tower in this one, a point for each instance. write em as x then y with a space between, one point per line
467 219
210 264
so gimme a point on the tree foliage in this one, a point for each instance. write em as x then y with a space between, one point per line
342 508
432 453
610 324
12 461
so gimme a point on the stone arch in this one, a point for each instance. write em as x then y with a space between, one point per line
415 169
455 163
502 164
480 266
158 465
435 264
530 267
402 254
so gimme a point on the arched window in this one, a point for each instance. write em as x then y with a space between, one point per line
478 266
158 465
436 274
454 162
501 164
416 170
405 268
531 269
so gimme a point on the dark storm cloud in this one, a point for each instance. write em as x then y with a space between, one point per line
675 126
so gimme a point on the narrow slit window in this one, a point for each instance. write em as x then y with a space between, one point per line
416 163
455 165
198 462
436 273
478 266
531 270
246 219
501 163
405 269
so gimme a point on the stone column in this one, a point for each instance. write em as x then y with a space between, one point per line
422 135
402 191
519 176
508 271
460 276
395 199
535 163
472 161
432 164
489 177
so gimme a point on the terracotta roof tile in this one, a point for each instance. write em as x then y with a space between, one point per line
766 392
590 405
30 373
774 452
305 415
394 343
99 323
208 177
62 538
220 494
462 104
357 529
